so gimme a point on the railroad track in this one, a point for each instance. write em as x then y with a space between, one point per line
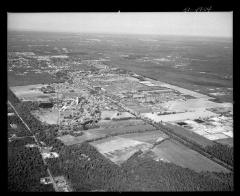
193 146
172 135
39 147
176 137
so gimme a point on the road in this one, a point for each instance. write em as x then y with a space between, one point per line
39 147
168 131
178 138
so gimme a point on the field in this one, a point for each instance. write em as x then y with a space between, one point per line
208 60
119 149
30 93
97 133
29 79
71 140
179 116
123 152
124 129
120 123
194 104
138 108
149 137
178 154
114 114
46 116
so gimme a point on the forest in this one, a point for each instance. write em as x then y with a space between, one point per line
25 165
20 130
87 175
25 168
217 150
12 97
88 170
222 152
136 174
170 177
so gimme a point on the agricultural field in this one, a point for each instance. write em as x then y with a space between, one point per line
72 140
30 93
137 107
119 149
115 115
123 129
104 132
91 98
48 116
150 137
174 152
120 123
179 116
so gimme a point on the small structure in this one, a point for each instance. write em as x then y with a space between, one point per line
14 126
76 133
50 155
45 105
42 143
11 114
77 100
97 88
31 145
47 89
46 180
13 136
62 184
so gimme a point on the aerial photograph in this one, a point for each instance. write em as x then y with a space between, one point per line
120 101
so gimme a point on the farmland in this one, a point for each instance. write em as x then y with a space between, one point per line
105 122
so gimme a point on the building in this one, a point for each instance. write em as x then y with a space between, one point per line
46 180
45 105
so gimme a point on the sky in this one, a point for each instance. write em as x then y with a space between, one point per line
216 24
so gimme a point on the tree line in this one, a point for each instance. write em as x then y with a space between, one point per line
222 152
136 174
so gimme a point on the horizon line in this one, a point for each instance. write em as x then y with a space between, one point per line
116 33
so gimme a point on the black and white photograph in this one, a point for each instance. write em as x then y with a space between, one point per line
120 101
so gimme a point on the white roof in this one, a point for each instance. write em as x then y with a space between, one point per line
216 136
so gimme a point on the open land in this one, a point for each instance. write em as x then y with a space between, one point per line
109 100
